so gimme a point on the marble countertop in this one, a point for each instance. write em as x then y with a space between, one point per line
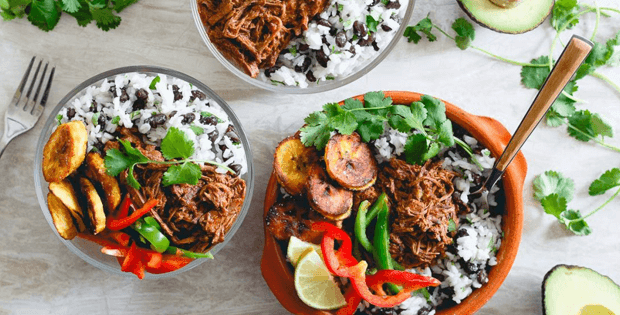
39 275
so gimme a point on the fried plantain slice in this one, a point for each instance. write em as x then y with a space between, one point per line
94 206
331 201
291 162
61 217
64 191
96 171
350 162
290 217
64 151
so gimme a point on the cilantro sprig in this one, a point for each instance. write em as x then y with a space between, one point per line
45 14
426 118
554 191
176 147
582 125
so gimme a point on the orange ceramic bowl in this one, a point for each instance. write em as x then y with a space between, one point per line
492 135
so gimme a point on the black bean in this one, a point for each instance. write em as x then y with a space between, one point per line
324 22
385 27
93 107
310 76
425 310
359 29
341 39
233 137
142 94
70 113
303 47
197 95
375 46
367 41
324 40
213 135
482 277
469 267
461 233
188 118
298 69
237 168
208 120
124 97
100 146
333 32
352 50
230 128
374 3
271 70
393 4
156 120
113 90
176 92
223 147
306 64
172 113
322 58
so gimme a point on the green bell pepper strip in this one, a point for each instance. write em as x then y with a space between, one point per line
374 210
174 250
153 222
360 227
159 242
382 255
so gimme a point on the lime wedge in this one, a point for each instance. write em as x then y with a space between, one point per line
296 247
314 284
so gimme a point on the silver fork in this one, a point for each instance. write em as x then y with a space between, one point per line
24 111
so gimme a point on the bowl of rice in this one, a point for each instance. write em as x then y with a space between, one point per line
483 244
143 103
338 41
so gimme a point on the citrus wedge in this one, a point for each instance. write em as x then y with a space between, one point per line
297 247
314 284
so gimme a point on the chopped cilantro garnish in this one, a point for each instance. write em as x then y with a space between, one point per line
116 120
95 119
59 118
154 83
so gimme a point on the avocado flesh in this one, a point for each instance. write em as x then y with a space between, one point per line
571 290
519 19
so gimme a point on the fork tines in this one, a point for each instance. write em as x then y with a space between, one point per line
25 101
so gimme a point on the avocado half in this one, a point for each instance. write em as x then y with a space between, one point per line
525 16
574 290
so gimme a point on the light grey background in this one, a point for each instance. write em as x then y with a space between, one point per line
38 275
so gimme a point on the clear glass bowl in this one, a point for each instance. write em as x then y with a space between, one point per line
90 251
312 88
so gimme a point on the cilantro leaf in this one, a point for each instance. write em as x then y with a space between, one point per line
176 145
564 11
197 130
153 84
585 126
445 134
419 113
44 14
465 31
120 5
575 223
345 123
370 129
425 26
356 105
131 179
551 182
554 205
451 225
105 19
435 111
402 119
534 77
186 173
415 149
116 162
70 6
132 152
562 107
371 23
608 180
377 100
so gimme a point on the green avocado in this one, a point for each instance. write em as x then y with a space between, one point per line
520 17
573 290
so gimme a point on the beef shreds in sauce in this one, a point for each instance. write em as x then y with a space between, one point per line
252 33
194 217
422 209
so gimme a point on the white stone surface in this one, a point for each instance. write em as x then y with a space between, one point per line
38 275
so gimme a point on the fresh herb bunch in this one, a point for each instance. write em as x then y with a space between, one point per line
427 117
581 124
176 148
45 14
554 191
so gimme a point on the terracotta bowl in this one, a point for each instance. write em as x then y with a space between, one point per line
492 135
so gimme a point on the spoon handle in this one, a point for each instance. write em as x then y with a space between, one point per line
573 55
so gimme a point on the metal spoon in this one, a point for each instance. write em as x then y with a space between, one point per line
573 55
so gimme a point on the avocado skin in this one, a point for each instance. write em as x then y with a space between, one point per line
569 267
473 18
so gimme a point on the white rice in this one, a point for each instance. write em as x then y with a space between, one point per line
160 101
341 14
477 247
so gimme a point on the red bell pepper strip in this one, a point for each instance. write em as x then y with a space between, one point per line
353 301
337 262
123 211
170 263
121 223
96 239
121 238
133 262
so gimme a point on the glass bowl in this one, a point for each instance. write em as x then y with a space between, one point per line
89 251
312 88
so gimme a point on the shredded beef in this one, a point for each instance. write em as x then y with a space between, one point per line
422 205
252 33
